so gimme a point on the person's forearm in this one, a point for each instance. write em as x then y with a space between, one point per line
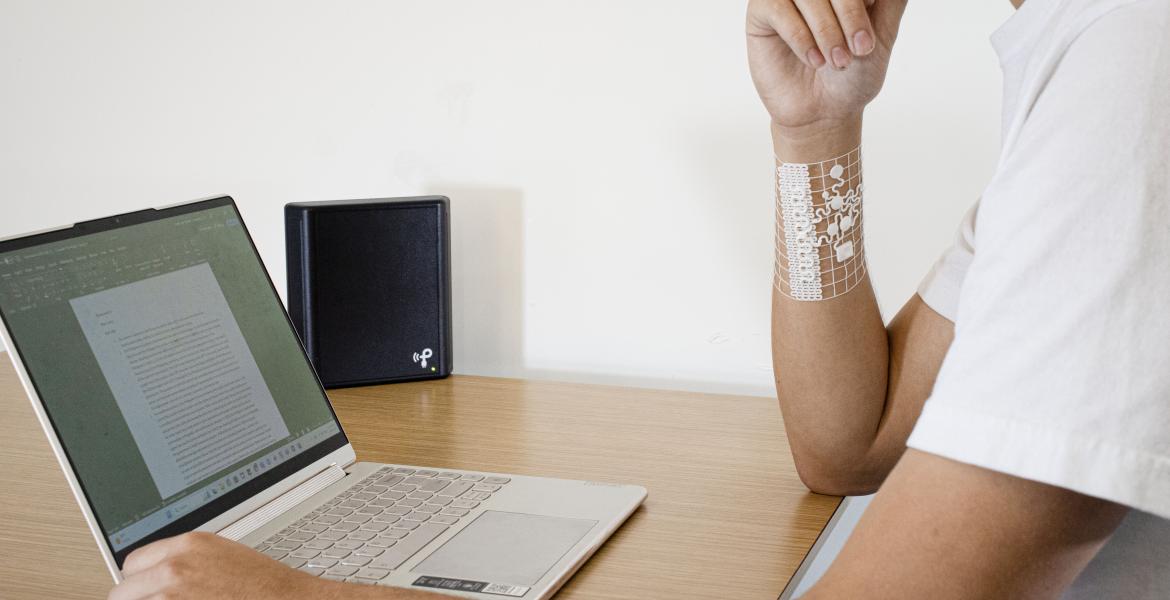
830 355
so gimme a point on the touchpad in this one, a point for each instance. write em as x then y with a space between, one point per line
506 547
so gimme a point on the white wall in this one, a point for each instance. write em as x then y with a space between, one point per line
608 163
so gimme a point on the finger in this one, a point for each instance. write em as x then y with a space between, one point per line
854 20
147 583
787 22
822 21
154 553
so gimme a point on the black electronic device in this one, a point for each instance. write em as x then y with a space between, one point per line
369 287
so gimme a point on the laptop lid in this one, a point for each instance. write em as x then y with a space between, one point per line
164 368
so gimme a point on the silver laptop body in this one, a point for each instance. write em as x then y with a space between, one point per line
176 397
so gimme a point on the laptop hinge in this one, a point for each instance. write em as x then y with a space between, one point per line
282 503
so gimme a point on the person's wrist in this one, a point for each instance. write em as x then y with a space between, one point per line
817 141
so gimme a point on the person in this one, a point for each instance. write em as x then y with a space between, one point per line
1015 413
1041 457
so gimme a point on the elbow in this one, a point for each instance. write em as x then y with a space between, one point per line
837 477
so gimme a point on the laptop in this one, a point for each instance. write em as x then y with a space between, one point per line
176 396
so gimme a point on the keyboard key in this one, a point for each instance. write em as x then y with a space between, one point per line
356 561
455 489
467 504
331 536
382 502
476 496
386 518
374 526
447 475
376 488
398 510
368 510
382 542
392 495
317 544
496 480
404 525
439 500
342 570
444 519
299 537
372 574
351 504
403 471
363 497
486 487
275 553
472 477
416 481
410 502
430 509
322 562
314 571
425 473
455 512
416 516
340 512
332 577
337 553
327 519
293 561
408 546
434 485
391 480
313 528
359 519
304 553
395 534
346 527
402 487
348 544
420 495
362 535
368 550
286 545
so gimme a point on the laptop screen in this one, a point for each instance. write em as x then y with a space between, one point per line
166 364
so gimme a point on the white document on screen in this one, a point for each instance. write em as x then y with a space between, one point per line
181 373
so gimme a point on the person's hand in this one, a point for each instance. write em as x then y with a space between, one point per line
817 63
204 565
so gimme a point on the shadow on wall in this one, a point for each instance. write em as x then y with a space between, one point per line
487 277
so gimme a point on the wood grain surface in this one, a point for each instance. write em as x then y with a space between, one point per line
727 516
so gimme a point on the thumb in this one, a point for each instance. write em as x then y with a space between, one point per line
886 16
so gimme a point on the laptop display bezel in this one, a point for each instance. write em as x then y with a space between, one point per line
229 500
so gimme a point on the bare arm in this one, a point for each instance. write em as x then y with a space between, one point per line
849 387
203 565
945 530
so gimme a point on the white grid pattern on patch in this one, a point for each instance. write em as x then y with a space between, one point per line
819 229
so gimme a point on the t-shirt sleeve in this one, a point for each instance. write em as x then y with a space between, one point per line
1060 367
940 288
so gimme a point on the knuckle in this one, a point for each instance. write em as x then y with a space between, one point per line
173 570
853 12
827 31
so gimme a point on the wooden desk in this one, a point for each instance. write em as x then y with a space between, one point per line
726 517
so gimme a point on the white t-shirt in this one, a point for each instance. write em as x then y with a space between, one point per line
1060 367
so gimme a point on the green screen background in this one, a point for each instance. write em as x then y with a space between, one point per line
66 373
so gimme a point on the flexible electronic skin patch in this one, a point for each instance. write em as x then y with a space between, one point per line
820 251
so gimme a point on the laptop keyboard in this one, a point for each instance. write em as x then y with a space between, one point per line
372 528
